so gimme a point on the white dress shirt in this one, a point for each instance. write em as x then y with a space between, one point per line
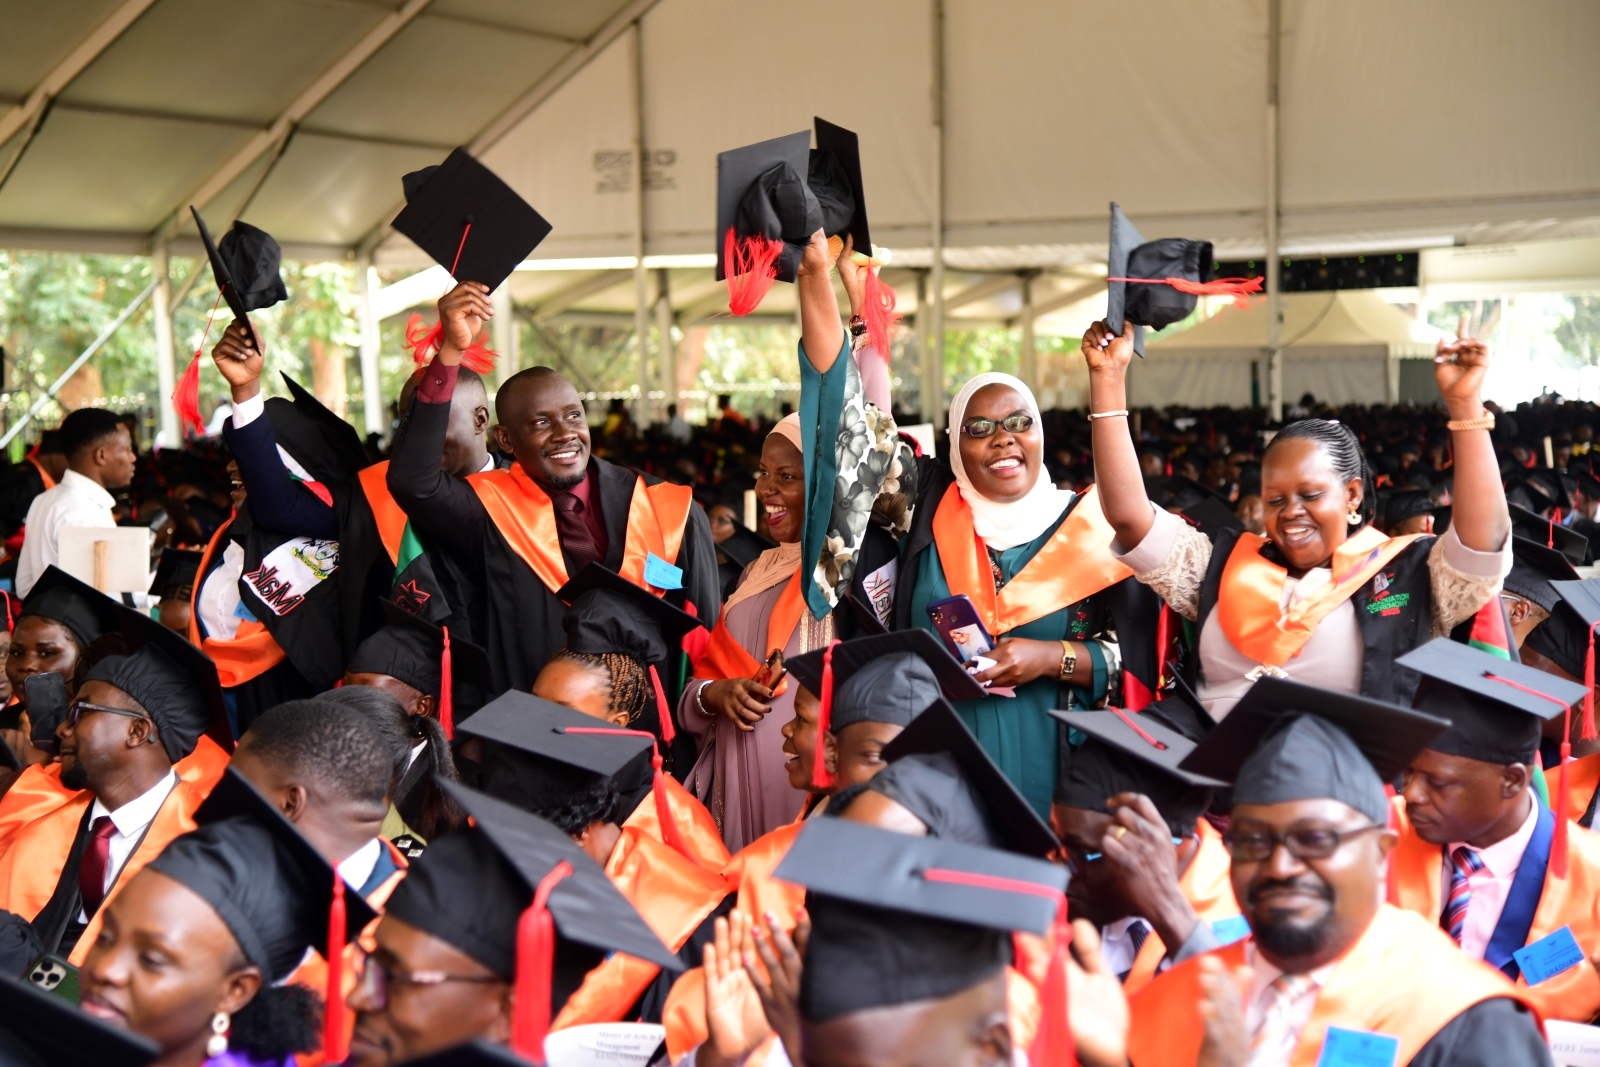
1117 946
75 501
357 867
131 821
1262 975
1490 884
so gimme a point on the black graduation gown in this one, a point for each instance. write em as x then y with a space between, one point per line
1492 1033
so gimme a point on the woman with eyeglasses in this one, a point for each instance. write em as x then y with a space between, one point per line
1324 597
827 483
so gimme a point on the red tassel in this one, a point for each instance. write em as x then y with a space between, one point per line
1550 534
186 398
1052 1042
1238 288
878 312
447 708
751 266
333 1036
670 832
425 343
821 778
1558 847
536 955
695 641
1588 685
663 709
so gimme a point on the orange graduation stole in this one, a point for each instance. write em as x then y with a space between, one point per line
37 791
253 650
1249 602
1074 564
523 514
1404 977
725 657
385 512
695 825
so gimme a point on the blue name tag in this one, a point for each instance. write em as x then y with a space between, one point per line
242 612
1358 1048
1233 928
1549 956
661 574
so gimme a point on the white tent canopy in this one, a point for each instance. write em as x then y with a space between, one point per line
1342 347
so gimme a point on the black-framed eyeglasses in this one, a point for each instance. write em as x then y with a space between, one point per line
76 709
1315 843
375 979
981 428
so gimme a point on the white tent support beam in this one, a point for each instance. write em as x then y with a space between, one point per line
505 334
1274 259
981 291
166 353
1067 299
73 64
508 119
933 347
667 358
94 346
641 275
1028 360
302 105
371 382
586 286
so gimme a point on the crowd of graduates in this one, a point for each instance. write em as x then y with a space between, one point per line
1101 738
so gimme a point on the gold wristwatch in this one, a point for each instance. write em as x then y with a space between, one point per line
1069 662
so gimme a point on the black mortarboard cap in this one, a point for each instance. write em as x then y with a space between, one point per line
1563 639
1155 304
608 613
78 606
41 1028
766 214
1496 707
50 443
1401 504
891 677
1533 568
1537 528
267 883
1210 516
1586 482
938 733
897 918
1287 741
1538 490
411 649
744 545
175 573
1139 753
843 148
172 680
544 752
327 446
470 221
246 266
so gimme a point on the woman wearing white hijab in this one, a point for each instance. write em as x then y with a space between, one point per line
1035 563
822 471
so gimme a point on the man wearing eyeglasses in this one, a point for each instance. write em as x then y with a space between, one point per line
134 717
1329 973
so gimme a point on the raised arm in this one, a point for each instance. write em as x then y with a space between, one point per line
873 365
821 333
1116 462
277 501
445 509
1480 518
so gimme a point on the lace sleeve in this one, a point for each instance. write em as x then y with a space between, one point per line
1457 594
1177 579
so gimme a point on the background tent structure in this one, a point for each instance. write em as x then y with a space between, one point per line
1342 347
994 133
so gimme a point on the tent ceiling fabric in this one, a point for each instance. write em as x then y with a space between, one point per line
1431 122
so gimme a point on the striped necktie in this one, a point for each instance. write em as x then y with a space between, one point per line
1138 934
1274 1039
1464 863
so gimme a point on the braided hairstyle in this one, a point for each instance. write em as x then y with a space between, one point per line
626 677
1344 452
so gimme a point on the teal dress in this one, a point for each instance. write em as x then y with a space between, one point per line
1018 733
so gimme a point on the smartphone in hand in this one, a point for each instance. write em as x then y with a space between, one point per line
771 672
956 621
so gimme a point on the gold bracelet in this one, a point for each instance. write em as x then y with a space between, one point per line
1482 422
1119 413
1069 662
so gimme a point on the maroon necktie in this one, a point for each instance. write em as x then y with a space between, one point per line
576 539
92 869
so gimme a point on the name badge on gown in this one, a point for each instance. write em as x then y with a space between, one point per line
661 574
1549 956
1358 1048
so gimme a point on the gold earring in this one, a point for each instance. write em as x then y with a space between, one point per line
217 1043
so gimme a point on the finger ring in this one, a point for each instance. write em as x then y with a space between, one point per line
1121 830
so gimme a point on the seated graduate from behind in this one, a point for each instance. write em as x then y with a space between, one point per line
1148 870
1563 645
1478 853
508 903
135 716
1309 838
519 534
586 779
193 953
619 639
